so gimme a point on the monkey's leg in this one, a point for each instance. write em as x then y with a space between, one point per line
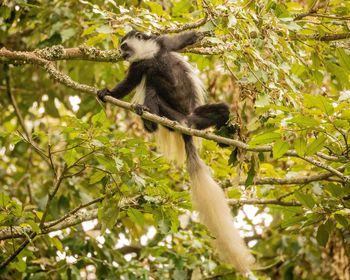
209 115
151 104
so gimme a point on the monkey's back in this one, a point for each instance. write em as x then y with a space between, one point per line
175 80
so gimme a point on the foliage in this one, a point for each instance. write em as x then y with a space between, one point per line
66 160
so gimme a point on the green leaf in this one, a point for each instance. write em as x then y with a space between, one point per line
305 199
155 8
108 214
320 102
57 243
107 162
136 216
322 235
342 220
89 30
19 265
4 200
279 148
97 177
70 157
35 227
290 221
100 119
250 175
334 189
304 121
233 158
264 138
14 139
96 39
344 58
339 73
300 146
105 29
67 33
315 146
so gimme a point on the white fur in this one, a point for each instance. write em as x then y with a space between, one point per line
143 49
171 145
139 96
209 200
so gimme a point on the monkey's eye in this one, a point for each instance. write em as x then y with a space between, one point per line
139 36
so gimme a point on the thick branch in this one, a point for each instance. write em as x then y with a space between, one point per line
79 53
300 16
325 38
288 181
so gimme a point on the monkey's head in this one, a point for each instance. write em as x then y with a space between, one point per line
137 46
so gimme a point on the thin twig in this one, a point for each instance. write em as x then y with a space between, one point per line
51 195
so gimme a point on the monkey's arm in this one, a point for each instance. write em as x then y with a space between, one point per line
132 79
180 41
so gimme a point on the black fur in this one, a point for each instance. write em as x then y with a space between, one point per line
170 92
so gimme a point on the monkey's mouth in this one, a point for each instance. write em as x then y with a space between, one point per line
126 55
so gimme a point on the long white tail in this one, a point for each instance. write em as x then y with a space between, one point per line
209 200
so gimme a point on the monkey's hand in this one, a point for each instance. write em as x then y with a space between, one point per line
139 109
201 35
102 93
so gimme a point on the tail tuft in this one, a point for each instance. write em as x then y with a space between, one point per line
209 200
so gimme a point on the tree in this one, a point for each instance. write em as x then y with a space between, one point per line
283 66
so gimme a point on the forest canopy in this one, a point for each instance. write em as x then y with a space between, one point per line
84 193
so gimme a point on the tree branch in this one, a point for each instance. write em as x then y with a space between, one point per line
76 218
58 181
326 38
287 181
262 202
187 26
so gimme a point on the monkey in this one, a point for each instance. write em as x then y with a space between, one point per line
168 86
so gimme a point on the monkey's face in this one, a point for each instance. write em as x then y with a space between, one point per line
137 46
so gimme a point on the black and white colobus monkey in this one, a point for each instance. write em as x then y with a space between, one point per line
167 85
